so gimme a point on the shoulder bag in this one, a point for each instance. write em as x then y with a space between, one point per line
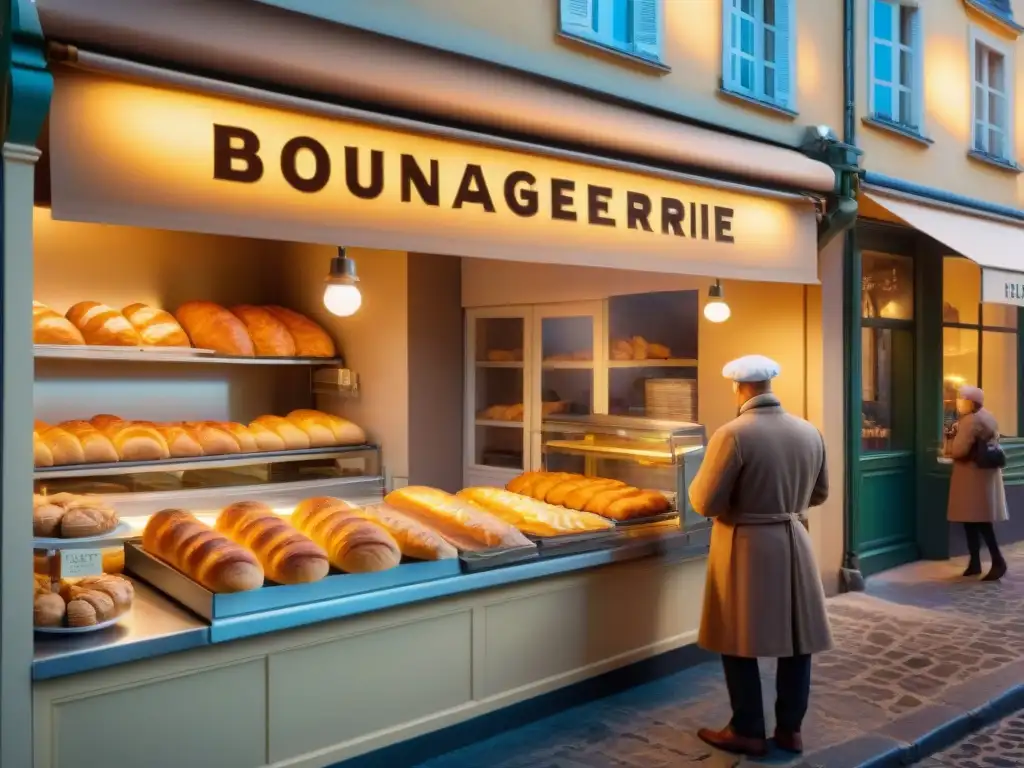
988 454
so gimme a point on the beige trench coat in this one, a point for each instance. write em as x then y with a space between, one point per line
976 495
763 596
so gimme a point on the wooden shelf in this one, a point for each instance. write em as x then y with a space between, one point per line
495 423
489 364
568 365
150 356
674 363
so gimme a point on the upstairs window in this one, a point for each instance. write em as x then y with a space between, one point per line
895 59
991 99
757 54
633 27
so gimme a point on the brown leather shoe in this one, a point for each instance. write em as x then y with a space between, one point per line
789 741
728 740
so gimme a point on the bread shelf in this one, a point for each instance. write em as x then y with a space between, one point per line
496 423
201 462
673 363
568 364
151 355
489 364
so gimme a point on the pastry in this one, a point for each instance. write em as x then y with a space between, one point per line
532 517
270 337
103 325
49 327
70 516
211 326
316 425
117 588
214 439
96 447
207 557
287 556
414 539
294 437
102 604
156 327
310 339
353 542
64 447
658 351
247 442
639 347
621 350
49 610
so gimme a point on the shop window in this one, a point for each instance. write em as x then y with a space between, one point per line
895 63
758 52
633 27
979 345
991 98
887 287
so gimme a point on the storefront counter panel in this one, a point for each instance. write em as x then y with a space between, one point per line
315 695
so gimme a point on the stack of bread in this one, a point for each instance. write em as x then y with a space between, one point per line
612 499
71 516
106 438
244 330
638 348
81 602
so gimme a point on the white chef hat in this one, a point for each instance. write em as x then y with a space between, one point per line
750 369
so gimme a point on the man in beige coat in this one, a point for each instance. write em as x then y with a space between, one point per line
763 596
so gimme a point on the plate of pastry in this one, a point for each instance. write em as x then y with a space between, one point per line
79 630
118 534
81 605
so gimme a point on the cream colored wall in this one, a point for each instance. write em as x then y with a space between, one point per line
524 36
947 109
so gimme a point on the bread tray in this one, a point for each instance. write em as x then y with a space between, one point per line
574 543
80 630
271 596
487 559
114 537
637 521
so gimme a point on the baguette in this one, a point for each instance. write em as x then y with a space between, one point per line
293 436
310 339
209 558
612 499
270 337
103 325
156 327
345 432
532 517
463 524
49 327
414 539
354 542
96 447
210 326
64 447
287 556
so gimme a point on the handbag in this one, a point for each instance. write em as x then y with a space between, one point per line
988 454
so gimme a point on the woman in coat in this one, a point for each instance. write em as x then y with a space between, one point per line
976 495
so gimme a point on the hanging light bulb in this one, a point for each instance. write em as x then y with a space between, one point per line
342 296
716 310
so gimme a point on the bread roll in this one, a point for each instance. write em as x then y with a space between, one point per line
461 523
103 325
96 447
639 347
414 539
49 327
215 439
310 339
181 441
102 604
210 326
532 517
46 518
49 609
316 425
658 351
113 560
247 442
117 588
270 337
209 558
43 455
621 349
81 613
134 442
87 517
294 437
267 439
64 447
354 543
287 556
156 327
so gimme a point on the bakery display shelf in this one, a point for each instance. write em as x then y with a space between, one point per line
81 630
583 447
486 559
271 597
638 522
671 363
168 355
121 533
551 365
200 462
493 364
574 543
499 423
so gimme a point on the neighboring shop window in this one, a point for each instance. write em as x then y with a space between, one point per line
979 345
887 352
633 27
757 58
895 63
992 108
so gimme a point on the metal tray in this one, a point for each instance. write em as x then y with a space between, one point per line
670 515
487 559
574 543
271 596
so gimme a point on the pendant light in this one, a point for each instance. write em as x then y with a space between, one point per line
716 310
341 290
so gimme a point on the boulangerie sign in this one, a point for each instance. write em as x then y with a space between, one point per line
141 155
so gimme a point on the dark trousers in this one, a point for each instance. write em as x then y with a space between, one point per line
792 691
975 533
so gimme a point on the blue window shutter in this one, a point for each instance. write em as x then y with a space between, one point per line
730 42
647 26
577 17
785 47
917 48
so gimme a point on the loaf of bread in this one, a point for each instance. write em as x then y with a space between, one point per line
612 499
287 556
119 589
270 337
354 543
133 441
310 339
326 428
463 524
156 327
43 454
658 351
414 539
96 447
207 557
215 438
71 516
103 325
294 437
181 441
532 517
247 442
211 326
64 447
49 327
267 439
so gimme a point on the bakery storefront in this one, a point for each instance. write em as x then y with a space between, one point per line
221 408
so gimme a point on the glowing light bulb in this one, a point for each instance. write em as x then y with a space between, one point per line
717 311
342 300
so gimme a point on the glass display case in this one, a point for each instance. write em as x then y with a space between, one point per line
646 453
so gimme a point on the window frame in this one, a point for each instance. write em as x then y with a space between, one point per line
915 49
980 37
596 26
787 46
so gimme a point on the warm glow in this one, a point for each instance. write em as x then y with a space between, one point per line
717 311
342 300
947 93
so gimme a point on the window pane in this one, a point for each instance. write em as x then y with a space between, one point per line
996 109
747 36
769 12
906 109
769 82
747 74
995 71
995 143
906 69
883 21
979 63
621 27
883 101
999 315
999 378
769 45
961 290
906 24
979 137
887 286
959 366
747 6
876 398
883 62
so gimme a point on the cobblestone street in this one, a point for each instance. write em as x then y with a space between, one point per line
1000 746
920 640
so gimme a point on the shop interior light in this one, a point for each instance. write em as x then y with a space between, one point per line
342 296
716 310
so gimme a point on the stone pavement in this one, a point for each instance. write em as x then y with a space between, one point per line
922 648
998 746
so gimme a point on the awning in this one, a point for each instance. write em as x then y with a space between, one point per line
245 41
994 244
